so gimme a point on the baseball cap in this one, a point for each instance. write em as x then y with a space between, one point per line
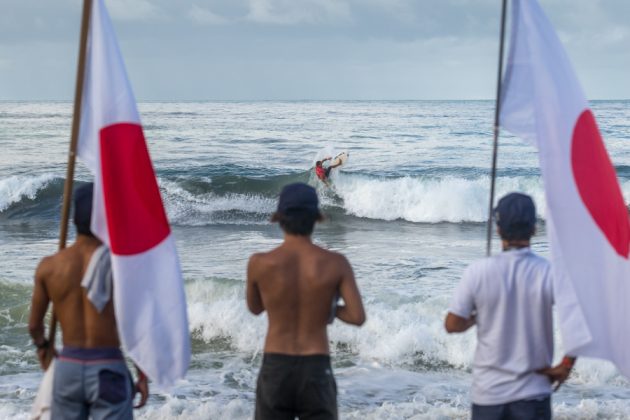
83 208
298 196
515 211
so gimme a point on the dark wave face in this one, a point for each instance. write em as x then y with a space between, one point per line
36 198
233 194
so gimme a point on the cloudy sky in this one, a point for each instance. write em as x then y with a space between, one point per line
304 49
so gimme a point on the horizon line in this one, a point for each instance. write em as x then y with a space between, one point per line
299 100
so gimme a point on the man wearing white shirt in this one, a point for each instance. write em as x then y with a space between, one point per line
509 297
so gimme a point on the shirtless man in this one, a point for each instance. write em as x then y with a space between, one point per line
296 284
91 377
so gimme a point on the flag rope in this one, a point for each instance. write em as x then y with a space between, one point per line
495 145
74 138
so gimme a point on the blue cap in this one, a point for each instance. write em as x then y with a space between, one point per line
83 208
515 211
298 196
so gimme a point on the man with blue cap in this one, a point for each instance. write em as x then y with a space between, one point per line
509 298
91 379
298 284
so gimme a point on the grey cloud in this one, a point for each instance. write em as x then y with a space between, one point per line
295 49
135 10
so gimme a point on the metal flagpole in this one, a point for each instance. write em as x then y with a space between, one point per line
497 111
74 138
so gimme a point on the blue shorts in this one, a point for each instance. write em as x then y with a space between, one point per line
91 383
529 409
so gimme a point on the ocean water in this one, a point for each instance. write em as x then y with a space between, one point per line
408 210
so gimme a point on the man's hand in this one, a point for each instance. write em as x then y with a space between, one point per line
142 387
39 306
45 356
43 360
559 373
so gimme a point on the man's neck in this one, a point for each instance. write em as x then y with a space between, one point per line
83 240
517 244
291 240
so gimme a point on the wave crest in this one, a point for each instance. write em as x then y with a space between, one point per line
428 200
19 187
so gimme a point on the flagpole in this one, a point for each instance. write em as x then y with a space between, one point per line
497 112
74 138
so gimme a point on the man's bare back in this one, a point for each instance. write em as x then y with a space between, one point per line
296 284
58 279
91 378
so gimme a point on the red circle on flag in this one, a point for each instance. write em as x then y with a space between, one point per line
136 220
597 183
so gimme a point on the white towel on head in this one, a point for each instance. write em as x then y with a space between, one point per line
97 279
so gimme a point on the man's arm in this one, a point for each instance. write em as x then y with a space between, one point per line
461 311
254 300
142 387
455 324
352 311
559 373
39 306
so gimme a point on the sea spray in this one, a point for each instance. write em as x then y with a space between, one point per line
18 187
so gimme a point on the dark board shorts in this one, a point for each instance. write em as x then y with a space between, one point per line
296 386
533 408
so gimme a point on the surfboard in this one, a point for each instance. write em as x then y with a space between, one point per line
340 158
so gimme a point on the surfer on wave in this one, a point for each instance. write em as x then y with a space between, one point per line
323 173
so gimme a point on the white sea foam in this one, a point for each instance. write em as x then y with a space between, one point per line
428 200
392 335
410 334
18 187
418 407
183 409
416 199
217 310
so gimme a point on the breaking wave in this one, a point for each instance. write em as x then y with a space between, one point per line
233 199
18 187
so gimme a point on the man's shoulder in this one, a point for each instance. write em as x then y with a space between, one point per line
45 265
482 265
49 266
531 263
259 258
332 256
539 259
526 254
539 263
48 263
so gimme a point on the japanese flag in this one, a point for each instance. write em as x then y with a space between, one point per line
128 214
586 216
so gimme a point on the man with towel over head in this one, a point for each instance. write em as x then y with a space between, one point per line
91 378
298 284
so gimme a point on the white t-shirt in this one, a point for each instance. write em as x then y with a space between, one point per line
513 297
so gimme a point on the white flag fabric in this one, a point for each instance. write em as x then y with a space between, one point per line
128 214
586 216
